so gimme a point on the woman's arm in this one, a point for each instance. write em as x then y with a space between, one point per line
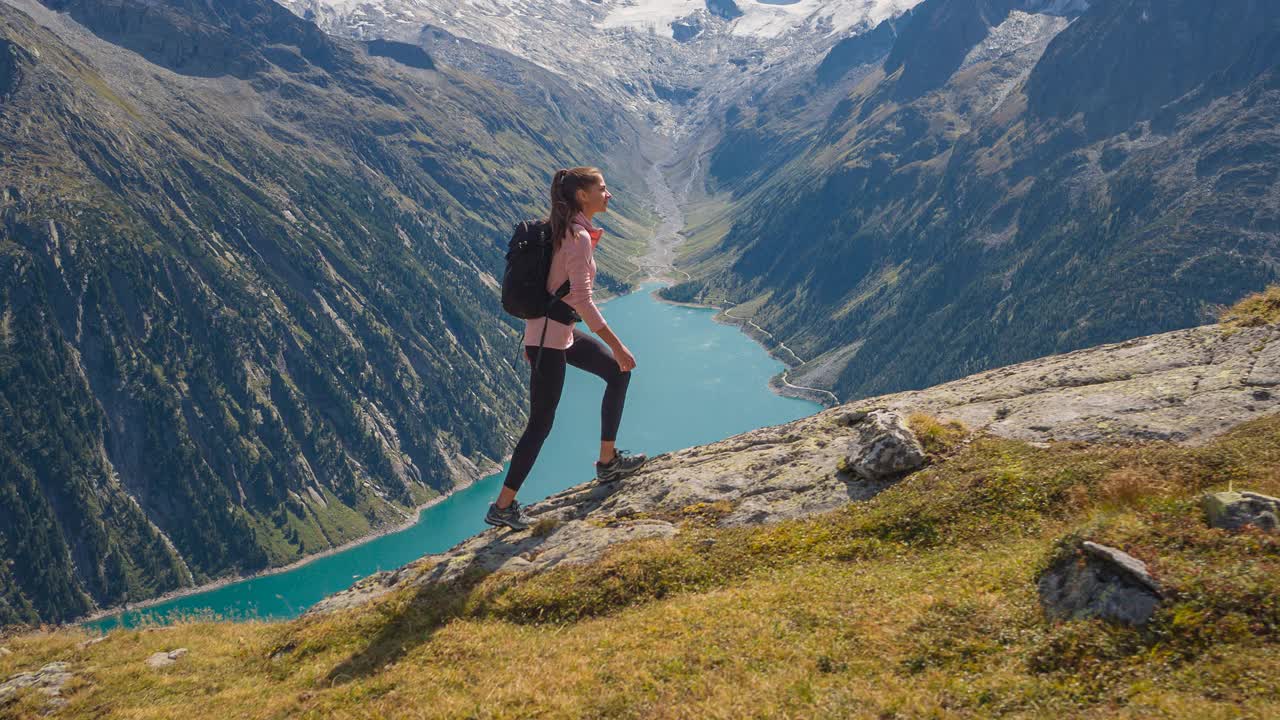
577 249
580 297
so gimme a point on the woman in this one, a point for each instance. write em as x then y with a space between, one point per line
576 196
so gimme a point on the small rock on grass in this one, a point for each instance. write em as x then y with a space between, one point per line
1234 510
1099 581
165 659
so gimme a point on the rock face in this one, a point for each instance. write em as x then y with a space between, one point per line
687 28
48 680
1185 386
884 447
724 9
1234 510
634 46
12 57
1100 582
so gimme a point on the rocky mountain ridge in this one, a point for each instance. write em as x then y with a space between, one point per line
670 62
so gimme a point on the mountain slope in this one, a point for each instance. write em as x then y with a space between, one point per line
247 293
1012 179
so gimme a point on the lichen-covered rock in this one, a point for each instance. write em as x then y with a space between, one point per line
1234 510
48 680
1102 582
571 542
884 447
1185 386
1265 372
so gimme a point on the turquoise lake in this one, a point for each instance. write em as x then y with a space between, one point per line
696 381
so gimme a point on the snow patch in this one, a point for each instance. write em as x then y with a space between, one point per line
759 19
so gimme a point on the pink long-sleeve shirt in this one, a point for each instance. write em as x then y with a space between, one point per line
574 261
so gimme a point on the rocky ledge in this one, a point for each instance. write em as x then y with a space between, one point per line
1184 386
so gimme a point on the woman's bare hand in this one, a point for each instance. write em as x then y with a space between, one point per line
626 361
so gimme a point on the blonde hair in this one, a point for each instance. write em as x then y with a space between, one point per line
564 197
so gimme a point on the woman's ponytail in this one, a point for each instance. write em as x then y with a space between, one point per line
564 197
556 183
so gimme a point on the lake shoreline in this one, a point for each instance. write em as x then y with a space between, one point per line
412 519
778 383
389 529
659 265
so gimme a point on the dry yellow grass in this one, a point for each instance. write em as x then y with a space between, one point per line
1262 308
918 603
938 437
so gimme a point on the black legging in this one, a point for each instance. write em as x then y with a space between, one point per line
545 386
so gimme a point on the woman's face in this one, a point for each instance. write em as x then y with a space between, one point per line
594 199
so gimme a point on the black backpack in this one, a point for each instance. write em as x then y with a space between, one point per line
524 282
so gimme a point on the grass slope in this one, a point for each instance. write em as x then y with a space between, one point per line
918 603
1260 308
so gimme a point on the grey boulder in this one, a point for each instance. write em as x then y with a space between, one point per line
883 446
1101 582
165 659
1234 510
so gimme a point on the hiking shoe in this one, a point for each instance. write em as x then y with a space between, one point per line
513 517
623 464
